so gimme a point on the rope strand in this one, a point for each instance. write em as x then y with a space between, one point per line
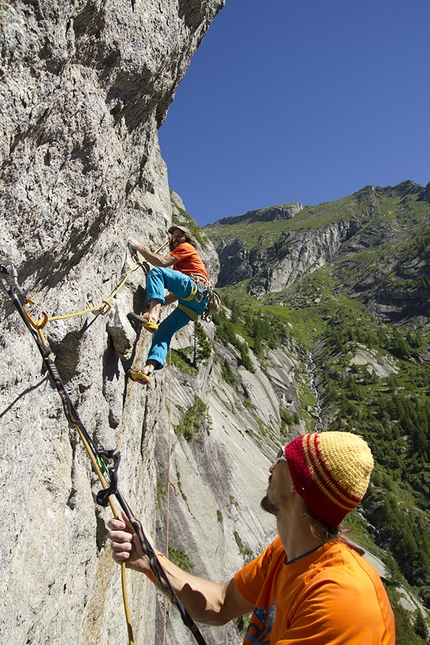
9 284
168 478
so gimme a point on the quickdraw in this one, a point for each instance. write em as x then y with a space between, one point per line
105 463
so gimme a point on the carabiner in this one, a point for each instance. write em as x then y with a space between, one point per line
39 324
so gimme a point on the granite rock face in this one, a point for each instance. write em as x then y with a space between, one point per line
84 87
275 268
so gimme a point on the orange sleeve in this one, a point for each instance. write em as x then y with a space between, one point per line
183 252
189 260
249 580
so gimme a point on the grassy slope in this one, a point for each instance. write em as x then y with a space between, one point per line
393 411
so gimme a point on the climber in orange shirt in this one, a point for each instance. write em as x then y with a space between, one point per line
310 586
184 275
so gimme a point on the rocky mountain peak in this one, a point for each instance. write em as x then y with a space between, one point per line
269 214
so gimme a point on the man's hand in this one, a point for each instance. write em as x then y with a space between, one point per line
155 259
125 545
208 602
133 244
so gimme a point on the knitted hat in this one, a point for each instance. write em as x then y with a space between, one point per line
330 472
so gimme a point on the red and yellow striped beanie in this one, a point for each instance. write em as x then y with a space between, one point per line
330 472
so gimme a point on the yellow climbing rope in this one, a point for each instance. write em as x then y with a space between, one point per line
104 484
39 325
103 308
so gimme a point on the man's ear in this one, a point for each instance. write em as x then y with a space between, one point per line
291 485
292 489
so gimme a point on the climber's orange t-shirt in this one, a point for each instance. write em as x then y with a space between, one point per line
332 597
189 260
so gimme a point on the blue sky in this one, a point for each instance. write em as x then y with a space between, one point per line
301 100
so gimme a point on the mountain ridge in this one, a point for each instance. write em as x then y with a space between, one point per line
272 258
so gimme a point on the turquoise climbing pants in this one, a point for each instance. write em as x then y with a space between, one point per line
157 280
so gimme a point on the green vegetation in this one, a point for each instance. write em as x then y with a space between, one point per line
181 559
288 421
257 326
405 634
160 493
187 359
204 347
181 490
226 331
246 553
192 421
180 358
393 414
371 371
228 375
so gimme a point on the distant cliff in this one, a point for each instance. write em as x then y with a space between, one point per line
365 238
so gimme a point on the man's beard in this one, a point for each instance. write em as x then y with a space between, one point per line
269 506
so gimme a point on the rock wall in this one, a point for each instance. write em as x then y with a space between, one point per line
294 255
84 87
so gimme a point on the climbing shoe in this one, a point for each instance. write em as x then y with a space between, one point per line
144 320
139 376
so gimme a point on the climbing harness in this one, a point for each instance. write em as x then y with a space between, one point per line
190 313
104 462
193 293
214 299
202 288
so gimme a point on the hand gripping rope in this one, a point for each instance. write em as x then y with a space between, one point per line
104 462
